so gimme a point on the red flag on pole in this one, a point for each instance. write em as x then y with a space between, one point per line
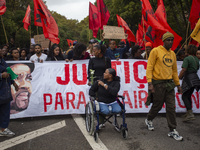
160 11
104 14
144 24
44 19
2 7
140 35
27 18
122 23
162 18
160 26
94 23
194 13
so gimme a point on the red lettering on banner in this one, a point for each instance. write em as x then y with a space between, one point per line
45 101
67 77
59 102
179 101
70 100
136 74
144 99
114 65
81 94
126 94
127 72
196 100
75 76
135 98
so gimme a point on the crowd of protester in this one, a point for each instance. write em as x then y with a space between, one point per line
100 55
79 51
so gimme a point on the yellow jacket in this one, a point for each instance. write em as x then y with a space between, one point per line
162 65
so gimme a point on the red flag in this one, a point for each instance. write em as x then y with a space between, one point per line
70 42
160 11
44 19
144 24
140 35
27 18
159 26
194 13
104 14
150 33
149 16
162 18
2 7
122 23
94 23
151 20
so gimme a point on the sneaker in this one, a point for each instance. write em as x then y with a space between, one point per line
149 124
101 126
7 132
175 135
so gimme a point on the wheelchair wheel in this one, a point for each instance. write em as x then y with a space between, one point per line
89 117
96 136
125 133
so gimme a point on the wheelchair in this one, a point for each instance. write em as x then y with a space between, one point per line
92 113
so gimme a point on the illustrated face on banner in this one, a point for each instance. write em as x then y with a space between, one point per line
21 97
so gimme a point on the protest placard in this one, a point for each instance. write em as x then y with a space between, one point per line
40 39
113 32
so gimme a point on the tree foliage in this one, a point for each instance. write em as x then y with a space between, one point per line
129 10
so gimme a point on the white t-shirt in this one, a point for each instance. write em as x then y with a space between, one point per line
37 59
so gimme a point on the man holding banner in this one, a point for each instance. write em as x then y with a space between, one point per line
162 77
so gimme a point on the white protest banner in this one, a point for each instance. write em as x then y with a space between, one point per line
57 88
113 32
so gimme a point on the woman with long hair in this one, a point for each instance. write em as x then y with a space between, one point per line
55 53
23 54
78 53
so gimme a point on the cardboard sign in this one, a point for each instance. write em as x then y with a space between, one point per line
113 32
40 39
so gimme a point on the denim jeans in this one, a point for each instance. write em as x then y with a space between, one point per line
104 108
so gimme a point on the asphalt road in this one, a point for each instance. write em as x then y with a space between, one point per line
70 137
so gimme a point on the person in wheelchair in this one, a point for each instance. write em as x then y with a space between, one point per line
105 91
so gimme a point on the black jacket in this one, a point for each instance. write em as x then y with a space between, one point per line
99 65
5 88
103 95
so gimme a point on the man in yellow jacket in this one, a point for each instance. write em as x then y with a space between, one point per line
162 77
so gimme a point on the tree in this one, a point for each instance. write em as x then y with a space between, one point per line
129 10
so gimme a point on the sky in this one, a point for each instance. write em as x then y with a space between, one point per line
71 9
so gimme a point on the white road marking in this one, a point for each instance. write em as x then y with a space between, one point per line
31 135
81 124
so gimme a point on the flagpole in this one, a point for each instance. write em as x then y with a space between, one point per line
144 37
100 34
183 44
30 35
4 29
187 31
37 34
89 34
